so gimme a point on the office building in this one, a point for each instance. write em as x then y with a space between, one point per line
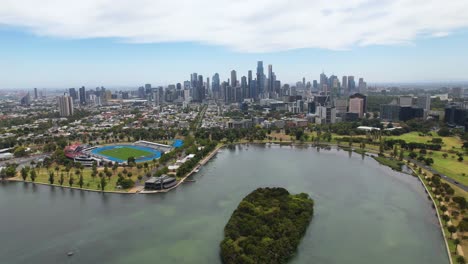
260 78
82 93
65 105
233 78
358 104
35 93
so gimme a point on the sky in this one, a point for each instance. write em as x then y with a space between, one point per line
123 43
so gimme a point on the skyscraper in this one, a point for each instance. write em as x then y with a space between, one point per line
216 86
35 93
270 78
260 78
233 78
249 84
323 82
65 105
351 85
344 86
244 89
362 86
82 95
73 94
148 88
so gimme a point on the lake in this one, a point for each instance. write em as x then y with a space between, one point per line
364 213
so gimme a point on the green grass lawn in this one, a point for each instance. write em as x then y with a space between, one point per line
89 182
448 142
124 153
451 166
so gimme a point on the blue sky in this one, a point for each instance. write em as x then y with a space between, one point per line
65 53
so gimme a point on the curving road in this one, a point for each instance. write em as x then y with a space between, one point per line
445 177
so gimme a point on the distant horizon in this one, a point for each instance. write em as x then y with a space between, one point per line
433 84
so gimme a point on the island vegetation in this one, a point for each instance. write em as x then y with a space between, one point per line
266 227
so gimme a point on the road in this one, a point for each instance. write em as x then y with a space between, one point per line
445 177
24 161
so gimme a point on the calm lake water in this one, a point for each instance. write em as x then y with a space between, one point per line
364 213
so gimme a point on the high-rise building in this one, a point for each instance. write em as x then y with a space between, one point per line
344 86
82 95
270 79
244 88
260 79
35 93
424 102
326 114
233 78
65 105
358 104
362 86
216 86
148 88
315 85
323 82
351 85
26 100
249 84
73 94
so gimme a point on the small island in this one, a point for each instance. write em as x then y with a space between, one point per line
266 227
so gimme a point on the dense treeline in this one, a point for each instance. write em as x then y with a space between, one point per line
411 145
199 155
266 227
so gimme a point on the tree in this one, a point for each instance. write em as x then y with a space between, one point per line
429 161
103 183
33 175
461 260
61 180
51 177
452 229
81 181
444 132
24 173
456 242
412 155
71 180
402 153
445 155
20 152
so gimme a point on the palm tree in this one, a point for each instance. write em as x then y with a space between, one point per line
70 181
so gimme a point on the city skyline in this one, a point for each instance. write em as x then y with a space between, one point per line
419 43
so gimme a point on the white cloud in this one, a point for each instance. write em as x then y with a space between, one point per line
242 25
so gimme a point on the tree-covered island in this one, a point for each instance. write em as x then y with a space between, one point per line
266 227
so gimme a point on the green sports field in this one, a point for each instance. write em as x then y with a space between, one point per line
124 153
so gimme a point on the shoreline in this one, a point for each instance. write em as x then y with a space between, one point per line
216 150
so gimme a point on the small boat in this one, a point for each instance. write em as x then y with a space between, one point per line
197 170
70 253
